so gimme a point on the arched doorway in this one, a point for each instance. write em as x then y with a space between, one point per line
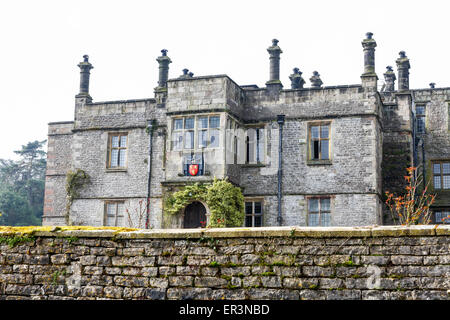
194 214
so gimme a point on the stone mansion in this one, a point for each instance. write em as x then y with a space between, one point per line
305 155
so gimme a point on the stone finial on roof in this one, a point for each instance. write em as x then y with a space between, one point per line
186 74
389 79
316 82
297 81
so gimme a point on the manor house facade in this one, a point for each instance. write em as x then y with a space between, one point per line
305 156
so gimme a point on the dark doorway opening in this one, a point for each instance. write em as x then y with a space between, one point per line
194 215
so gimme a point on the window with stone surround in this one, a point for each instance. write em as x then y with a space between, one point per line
319 141
441 175
319 211
255 145
420 116
441 215
195 131
253 213
117 150
114 213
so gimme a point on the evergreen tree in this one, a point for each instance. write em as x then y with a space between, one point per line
22 186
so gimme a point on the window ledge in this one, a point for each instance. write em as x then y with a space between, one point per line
253 165
318 162
116 170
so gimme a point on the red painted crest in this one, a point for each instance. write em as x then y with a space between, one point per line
193 169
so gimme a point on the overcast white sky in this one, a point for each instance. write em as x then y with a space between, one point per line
43 41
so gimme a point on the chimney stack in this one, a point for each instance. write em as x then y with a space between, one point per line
403 71
274 52
163 61
85 68
369 77
389 79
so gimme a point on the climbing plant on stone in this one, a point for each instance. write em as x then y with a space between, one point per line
224 200
75 180
226 204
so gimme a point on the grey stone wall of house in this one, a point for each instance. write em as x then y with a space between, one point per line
288 263
398 127
437 134
59 155
355 167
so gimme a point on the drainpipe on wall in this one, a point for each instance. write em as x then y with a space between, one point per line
149 170
280 120
423 164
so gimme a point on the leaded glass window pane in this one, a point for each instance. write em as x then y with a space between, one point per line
324 150
178 124
313 205
214 122
325 204
110 221
248 207
120 214
248 221
202 138
111 209
324 131
178 140
189 123
313 220
258 208
122 157
189 139
437 168
110 214
421 124
325 219
123 141
446 168
214 137
259 145
437 182
115 141
420 110
203 122
446 182
114 157
315 132
258 221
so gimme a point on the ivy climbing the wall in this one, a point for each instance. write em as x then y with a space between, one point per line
224 200
75 180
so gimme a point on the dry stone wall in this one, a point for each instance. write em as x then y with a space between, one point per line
258 263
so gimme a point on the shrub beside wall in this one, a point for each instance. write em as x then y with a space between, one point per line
240 263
